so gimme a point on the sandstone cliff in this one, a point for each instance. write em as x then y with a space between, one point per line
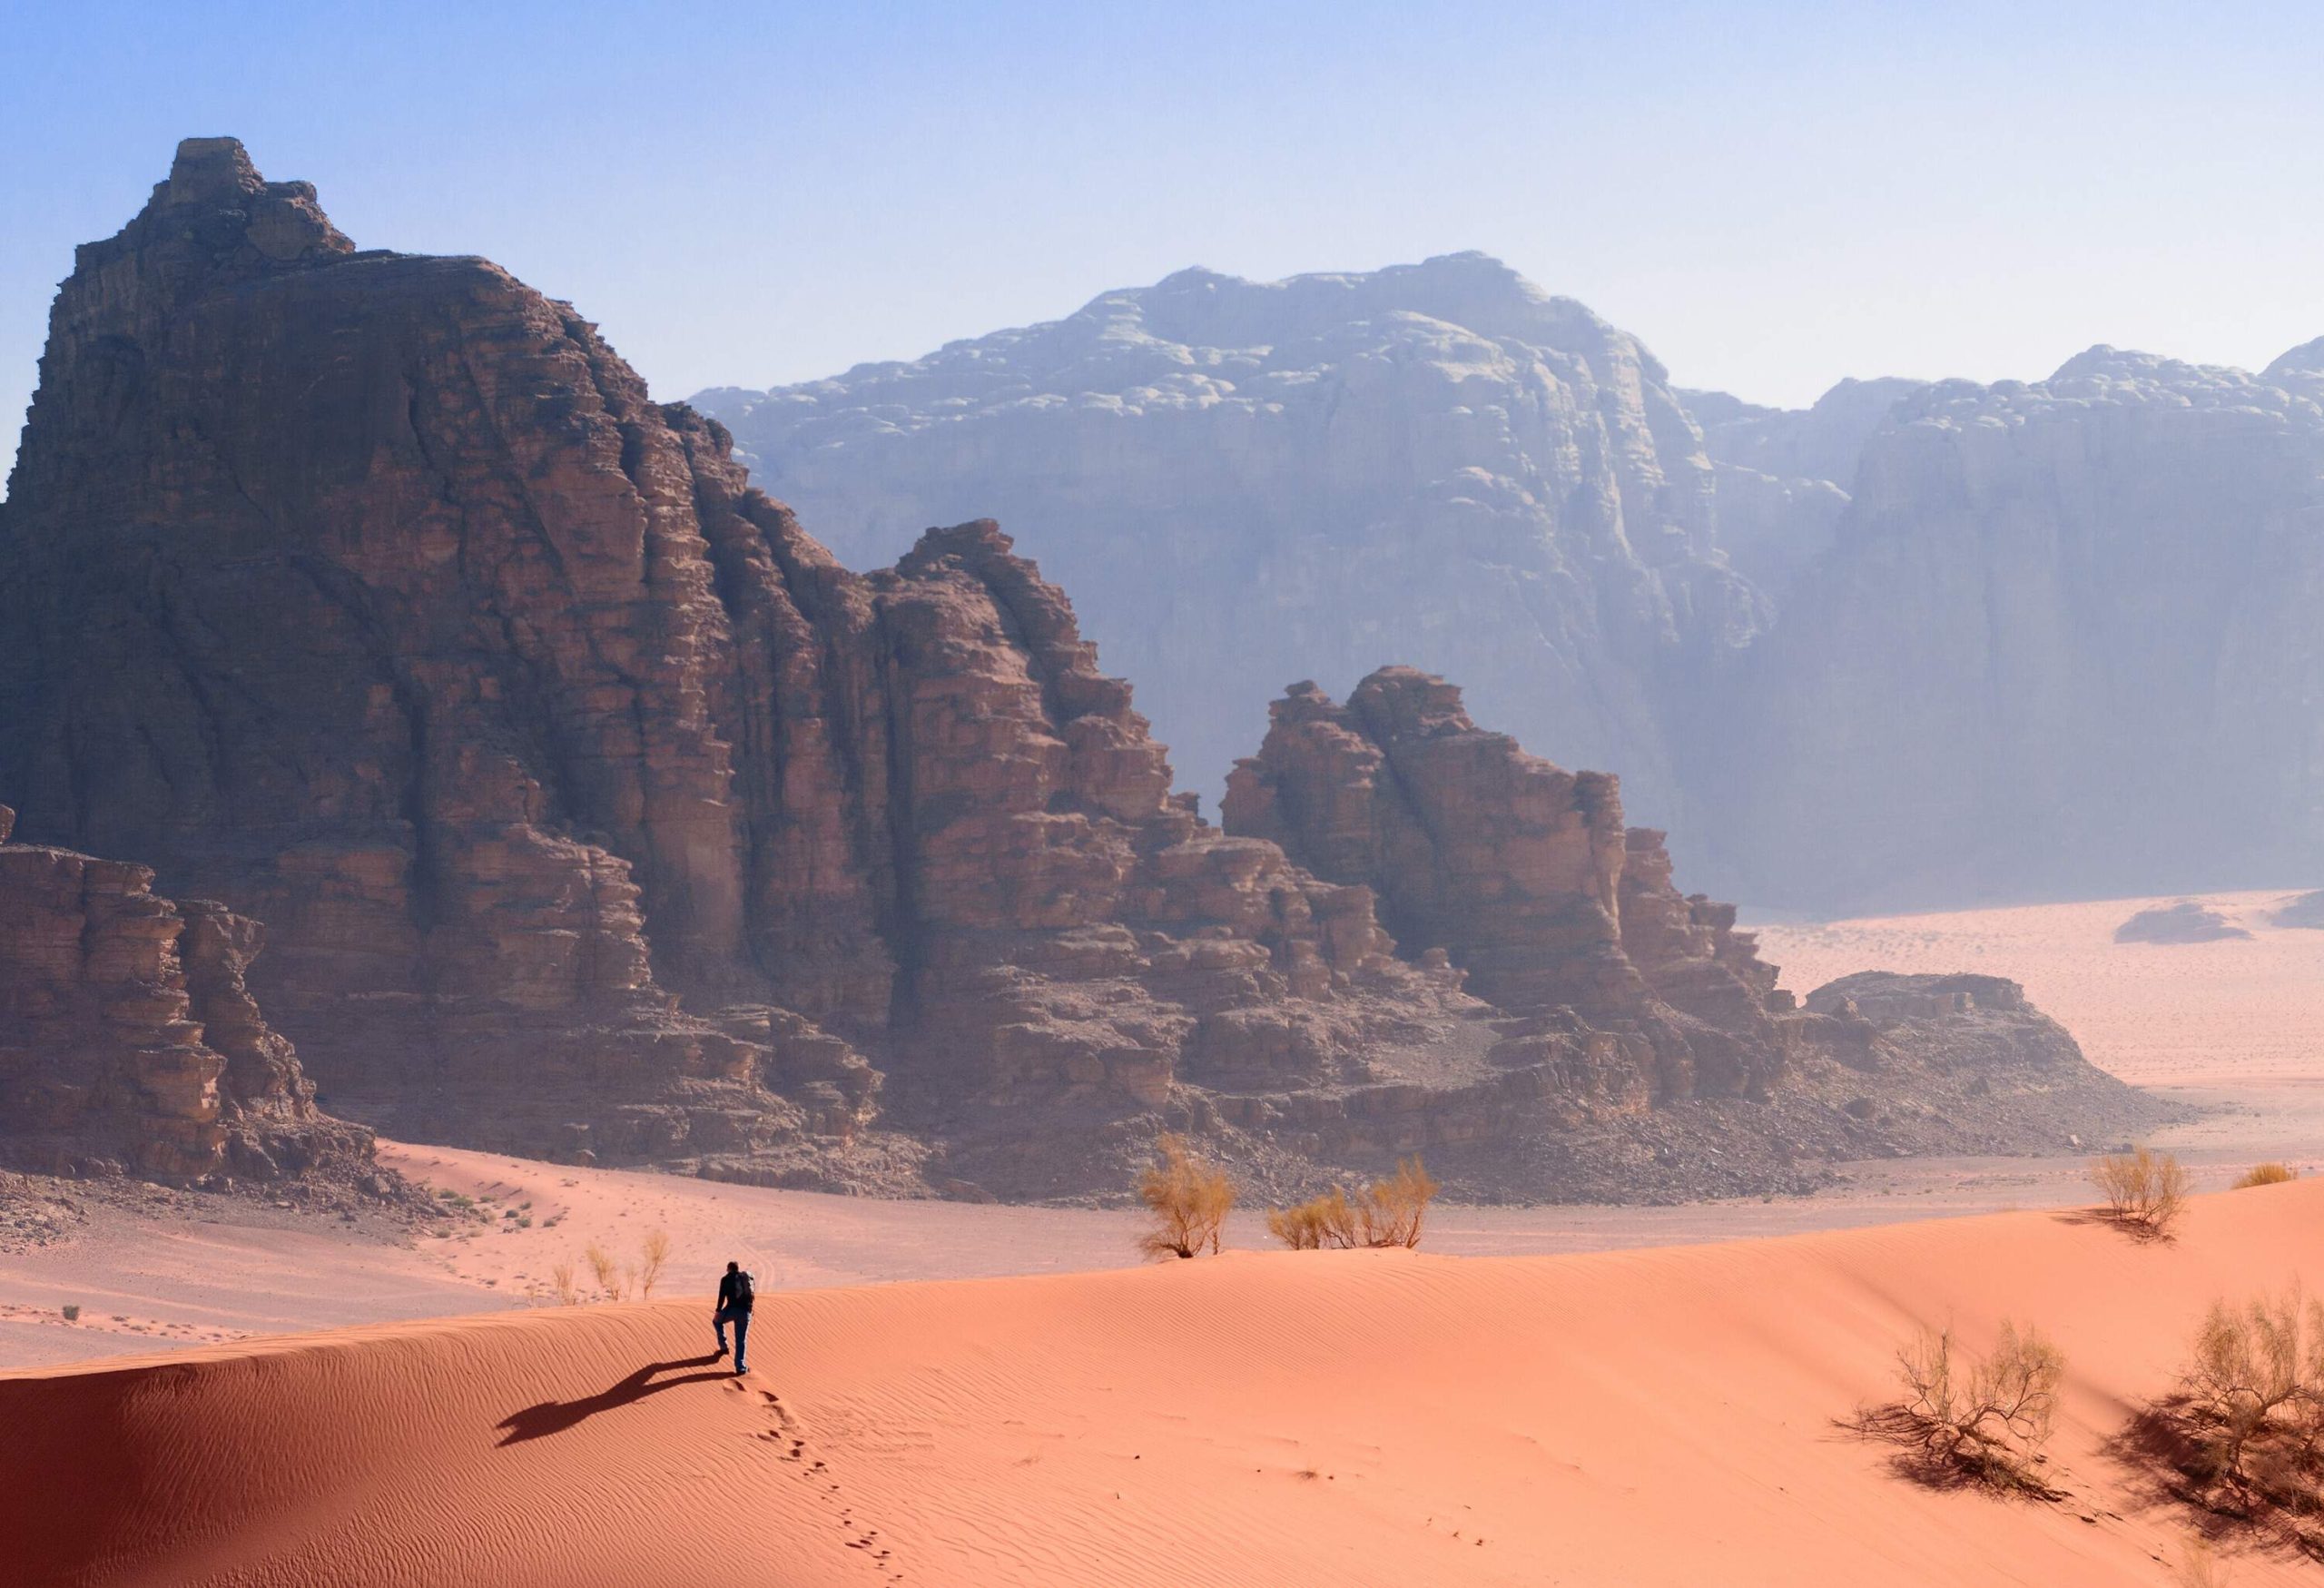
1783 477
129 1038
1240 480
2064 644
1523 872
370 592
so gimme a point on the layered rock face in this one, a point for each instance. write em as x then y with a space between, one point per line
2065 643
1523 872
1438 464
129 1038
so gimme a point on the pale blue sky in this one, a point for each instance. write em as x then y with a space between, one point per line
1773 196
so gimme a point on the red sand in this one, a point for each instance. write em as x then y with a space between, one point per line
1646 1417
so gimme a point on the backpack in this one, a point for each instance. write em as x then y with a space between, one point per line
743 1298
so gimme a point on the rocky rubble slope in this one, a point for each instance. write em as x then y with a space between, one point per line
596 811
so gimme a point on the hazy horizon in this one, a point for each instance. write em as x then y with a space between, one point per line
1772 199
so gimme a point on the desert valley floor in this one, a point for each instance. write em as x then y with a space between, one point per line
1519 1403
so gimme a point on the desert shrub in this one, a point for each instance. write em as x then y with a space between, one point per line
1189 1199
1982 1418
610 1278
654 1252
560 1280
2199 1565
2145 1190
2254 1400
1389 1212
2264 1174
72 1310
1393 1211
1326 1221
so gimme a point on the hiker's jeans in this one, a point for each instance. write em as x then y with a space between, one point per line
742 1322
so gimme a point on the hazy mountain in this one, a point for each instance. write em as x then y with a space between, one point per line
1248 483
1914 644
2066 640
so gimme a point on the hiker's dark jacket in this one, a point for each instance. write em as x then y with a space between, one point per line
728 1300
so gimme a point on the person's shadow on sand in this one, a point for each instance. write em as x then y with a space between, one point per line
548 1417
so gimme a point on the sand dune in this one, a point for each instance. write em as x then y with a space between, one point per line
1645 1418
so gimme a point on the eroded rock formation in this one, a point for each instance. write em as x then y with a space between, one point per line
1521 871
129 1038
370 592
1438 463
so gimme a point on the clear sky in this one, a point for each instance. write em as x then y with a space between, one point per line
1773 196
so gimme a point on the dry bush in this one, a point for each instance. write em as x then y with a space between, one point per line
1982 1418
653 1253
1387 1212
2253 1401
2145 1190
2199 1565
610 1278
1188 1197
2264 1174
1327 1221
560 1279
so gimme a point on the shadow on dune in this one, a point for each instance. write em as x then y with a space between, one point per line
536 1422
2106 1218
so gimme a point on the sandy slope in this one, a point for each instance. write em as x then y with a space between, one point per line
1643 1417
2196 1014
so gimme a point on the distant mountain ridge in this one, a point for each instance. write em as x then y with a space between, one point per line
1919 643
1245 483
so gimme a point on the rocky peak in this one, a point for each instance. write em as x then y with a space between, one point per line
2308 359
215 200
1523 872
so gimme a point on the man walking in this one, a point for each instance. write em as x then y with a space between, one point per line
734 1297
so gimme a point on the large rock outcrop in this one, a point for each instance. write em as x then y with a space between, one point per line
1676 1059
129 1038
1523 872
370 592
1241 480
